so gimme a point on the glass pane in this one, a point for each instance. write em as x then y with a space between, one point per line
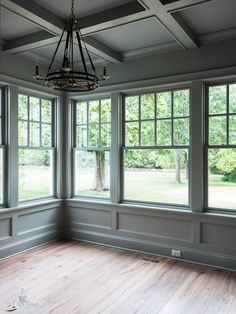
157 175
164 132
35 174
217 99
1 175
92 176
106 110
94 111
132 134
222 178
181 131
93 134
232 130
164 105
132 108
147 106
46 135
147 133
34 134
105 135
23 133
34 109
181 103
217 130
23 107
46 107
82 136
232 98
81 113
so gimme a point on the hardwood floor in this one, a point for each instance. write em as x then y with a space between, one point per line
72 277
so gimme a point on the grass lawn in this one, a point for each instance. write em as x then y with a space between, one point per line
141 185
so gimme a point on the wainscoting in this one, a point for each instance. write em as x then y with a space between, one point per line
28 226
202 238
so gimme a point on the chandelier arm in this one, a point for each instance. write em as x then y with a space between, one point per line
49 68
90 59
81 52
66 49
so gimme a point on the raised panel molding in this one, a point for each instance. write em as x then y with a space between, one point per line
5 228
162 227
218 235
91 217
36 221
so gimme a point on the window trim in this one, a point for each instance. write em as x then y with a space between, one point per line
188 147
3 145
52 147
207 146
87 148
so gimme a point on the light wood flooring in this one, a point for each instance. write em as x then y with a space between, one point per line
73 277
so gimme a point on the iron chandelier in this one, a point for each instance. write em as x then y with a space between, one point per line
69 77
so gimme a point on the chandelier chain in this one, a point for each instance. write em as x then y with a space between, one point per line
72 7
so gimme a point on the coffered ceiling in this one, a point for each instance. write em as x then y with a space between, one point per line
115 30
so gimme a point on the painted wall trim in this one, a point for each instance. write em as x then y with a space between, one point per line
148 247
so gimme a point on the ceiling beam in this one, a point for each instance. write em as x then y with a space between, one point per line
36 14
29 42
179 5
173 23
89 25
102 51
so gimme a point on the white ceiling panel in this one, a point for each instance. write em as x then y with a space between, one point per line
212 16
13 25
136 35
82 8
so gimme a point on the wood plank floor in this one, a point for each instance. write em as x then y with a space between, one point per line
73 277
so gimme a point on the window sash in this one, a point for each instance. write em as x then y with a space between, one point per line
208 146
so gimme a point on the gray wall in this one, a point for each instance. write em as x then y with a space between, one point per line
29 226
202 237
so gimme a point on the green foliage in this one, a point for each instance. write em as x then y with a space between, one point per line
223 161
153 159
181 103
217 99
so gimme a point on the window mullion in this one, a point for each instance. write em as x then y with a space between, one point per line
196 147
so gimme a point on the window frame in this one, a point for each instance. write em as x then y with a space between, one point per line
3 145
188 147
52 147
208 146
88 148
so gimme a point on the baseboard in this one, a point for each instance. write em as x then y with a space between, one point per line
21 246
190 255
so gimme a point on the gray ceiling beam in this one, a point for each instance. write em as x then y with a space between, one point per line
36 14
102 51
29 42
173 23
89 25
179 5
118 16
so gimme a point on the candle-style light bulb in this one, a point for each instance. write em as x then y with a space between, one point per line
104 75
37 76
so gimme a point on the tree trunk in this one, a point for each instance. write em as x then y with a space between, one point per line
100 171
186 164
177 167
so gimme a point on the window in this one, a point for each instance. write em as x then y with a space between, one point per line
221 146
156 147
2 148
36 147
92 143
